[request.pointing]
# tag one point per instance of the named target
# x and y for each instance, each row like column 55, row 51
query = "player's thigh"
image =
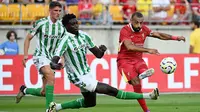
column 42, row 65
column 128, row 71
column 141, row 66
column 86, row 83
column 89, row 98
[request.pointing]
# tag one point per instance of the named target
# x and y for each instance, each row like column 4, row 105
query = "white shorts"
column 87, row 83
column 40, row 61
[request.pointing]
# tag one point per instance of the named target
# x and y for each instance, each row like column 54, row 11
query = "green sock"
column 34, row 91
column 49, row 94
column 73, row 104
column 128, row 95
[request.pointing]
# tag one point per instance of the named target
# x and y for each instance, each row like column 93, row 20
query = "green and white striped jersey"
column 74, row 49
column 48, row 35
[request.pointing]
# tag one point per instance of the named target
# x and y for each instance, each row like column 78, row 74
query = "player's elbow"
column 131, row 48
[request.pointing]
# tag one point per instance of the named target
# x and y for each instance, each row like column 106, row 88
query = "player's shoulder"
column 42, row 20
column 83, row 33
column 145, row 28
column 69, row 35
column 125, row 28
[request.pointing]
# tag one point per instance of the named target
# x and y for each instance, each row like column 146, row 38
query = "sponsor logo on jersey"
column 52, row 36
column 79, row 47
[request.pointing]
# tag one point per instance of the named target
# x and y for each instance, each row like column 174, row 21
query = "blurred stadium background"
column 102, row 19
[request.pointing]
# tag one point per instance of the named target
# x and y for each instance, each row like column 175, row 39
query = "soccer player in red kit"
column 129, row 61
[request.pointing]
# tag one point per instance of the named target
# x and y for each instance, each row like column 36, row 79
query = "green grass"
column 166, row 103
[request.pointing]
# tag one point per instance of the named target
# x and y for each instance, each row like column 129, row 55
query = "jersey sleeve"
column 62, row 46
column 90, row 43
column 36, row 26
column 192, row 39
column 148, row 30
column 124, row 35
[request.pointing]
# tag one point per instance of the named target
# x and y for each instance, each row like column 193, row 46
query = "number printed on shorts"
column 81, row 85
column 37, row 61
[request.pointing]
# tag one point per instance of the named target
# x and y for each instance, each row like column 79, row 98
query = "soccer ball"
column 168, row 65
column 2, row 52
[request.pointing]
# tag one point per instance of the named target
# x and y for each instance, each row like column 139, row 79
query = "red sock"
column 138, row 89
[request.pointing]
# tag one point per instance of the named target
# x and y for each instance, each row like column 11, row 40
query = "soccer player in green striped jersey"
column 74, row 49
column 48, row 31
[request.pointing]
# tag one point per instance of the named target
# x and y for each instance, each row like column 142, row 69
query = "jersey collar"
column 131, row 27
column 51, row 21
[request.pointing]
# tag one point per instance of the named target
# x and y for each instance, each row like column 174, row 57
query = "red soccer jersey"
column 138, row 38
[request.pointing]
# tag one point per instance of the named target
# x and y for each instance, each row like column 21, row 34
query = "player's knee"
column 134, row 81
column 43, row 93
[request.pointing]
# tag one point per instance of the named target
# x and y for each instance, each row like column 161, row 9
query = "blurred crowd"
column 119, row 11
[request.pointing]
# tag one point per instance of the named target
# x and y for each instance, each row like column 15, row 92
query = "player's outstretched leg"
column 89, row 100
column 146, row 73
column 137, row 87
column 23, row 91
column 32, row 91
column 109, row 90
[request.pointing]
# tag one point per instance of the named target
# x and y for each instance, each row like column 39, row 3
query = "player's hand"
column 181, row 38
column 55, row 63
column 153, row 51
column 24, row 61
column 56, row 66
column 103, row 48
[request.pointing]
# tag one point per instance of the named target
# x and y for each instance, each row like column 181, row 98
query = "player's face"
column 73, row 26
column 55, row 12
column 137, row 23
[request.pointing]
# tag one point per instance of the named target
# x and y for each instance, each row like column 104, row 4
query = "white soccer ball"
column 2, row 52
column 168, row 65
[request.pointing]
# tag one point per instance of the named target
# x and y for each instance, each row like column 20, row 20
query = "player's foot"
column 20, row 94
column 148, row 111
column 146, row 73
column 52, row 107
column 154, row 94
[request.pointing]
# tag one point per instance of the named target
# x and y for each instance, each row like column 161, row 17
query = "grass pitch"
column 166, row 103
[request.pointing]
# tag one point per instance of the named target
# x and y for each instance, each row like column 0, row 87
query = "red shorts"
column 130, row 69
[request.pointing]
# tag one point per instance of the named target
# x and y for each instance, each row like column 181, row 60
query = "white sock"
column 58, row 107
column 146, row 96
column 25, row 91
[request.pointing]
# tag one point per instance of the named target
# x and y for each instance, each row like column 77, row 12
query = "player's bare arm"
column 131, row 47
column 98, row 51
column 164, row 36
column 26, row 47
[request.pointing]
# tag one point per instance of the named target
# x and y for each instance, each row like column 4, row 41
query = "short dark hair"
column 54, row 4
column 9, row 34
column 67, row 17
column 197, row 23
column 138, row 14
